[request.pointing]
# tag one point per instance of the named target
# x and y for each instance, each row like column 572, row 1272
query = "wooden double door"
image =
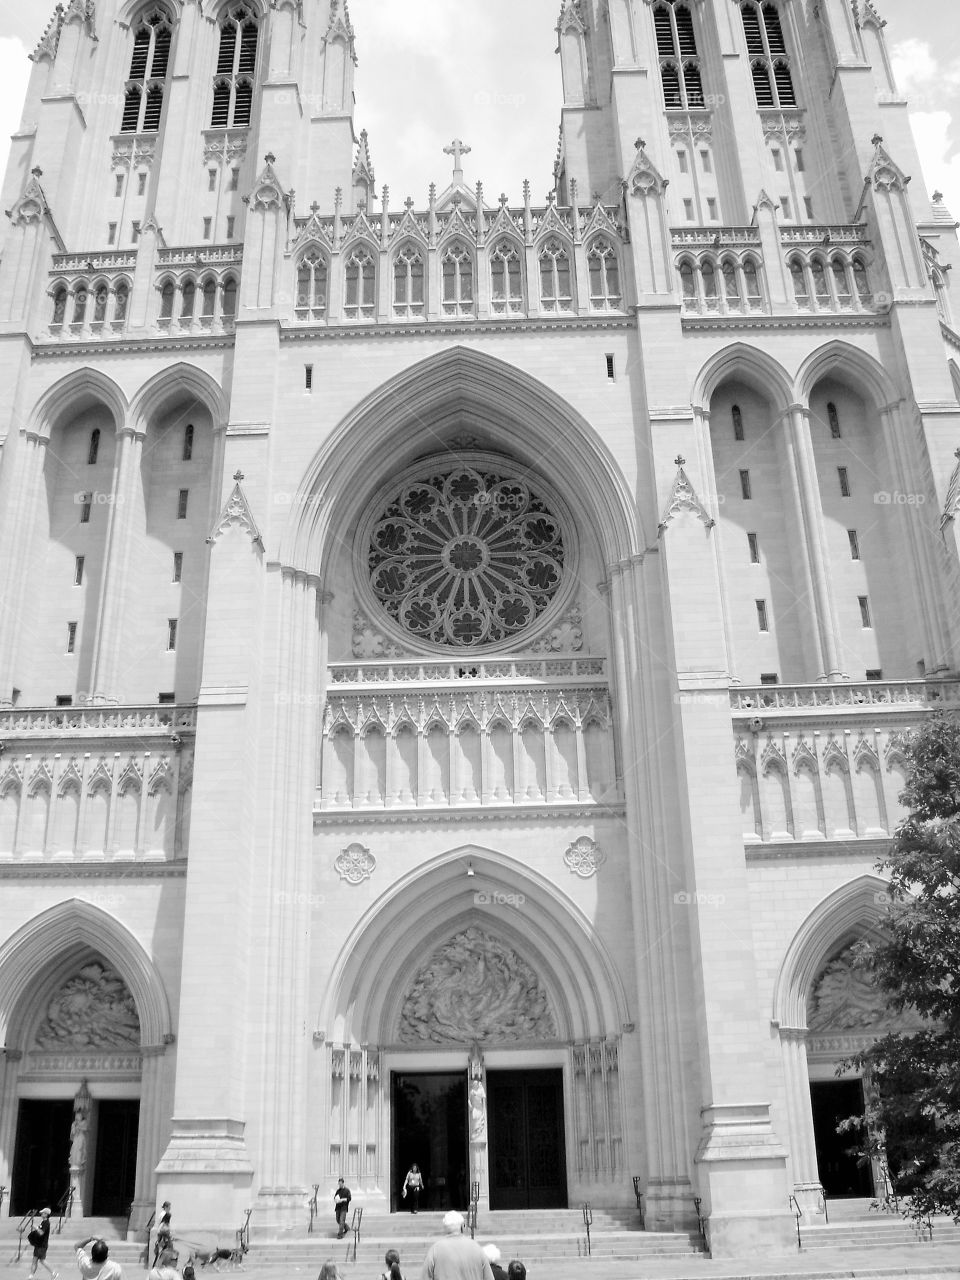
column 527, row 1159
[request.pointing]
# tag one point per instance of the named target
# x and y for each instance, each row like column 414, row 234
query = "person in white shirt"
column 96, row 1265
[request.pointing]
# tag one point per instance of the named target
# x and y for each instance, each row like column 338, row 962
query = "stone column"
column 106, row 685
column 807, row 1188
column 800, row 446
column 154, row 1106
column 9, row 1072
column 17, row 527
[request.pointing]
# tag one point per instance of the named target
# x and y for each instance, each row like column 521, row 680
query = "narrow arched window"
column 360, row 295
column 767, row 50
column 679, row 61
column 604, row 269
column 841, row 282
column 800, row 291
column 209, row 297
column 506, row 278
column 820, row 287
column 166, row 300
column 737, row 417
column 751, row 280
column 93, row 450
column 236, row 67
column 149, row 64
column 312, row 286
column 555, row 277
column 100, row 299
column 860, row 281
column 188, row 296
column 121, row 298
column 408, row 295
column 731, row 284
column 229, row 298
column 80, row 304
column 188, row 442
column 688, row 282
column 709, row 277
column 59, row 306
column 457, row 272
column 834, row 419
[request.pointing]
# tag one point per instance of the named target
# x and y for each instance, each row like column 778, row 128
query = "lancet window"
column 236, row 66
column 143, row 97
column 506, row 278
column 408, row 291
column 360, row 297
column 677, row 52
column 555, row 287
column 312, row 286
column 458, row 281
column 604, row 275
column 767, row 50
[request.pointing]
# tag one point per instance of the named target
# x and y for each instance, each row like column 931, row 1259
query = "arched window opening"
column 312, row 286
column 230, row 298
column 820, row 287
column 800, row 291
column 408, row 294
column 93, row 450
column 604, row 275
column 834, row 419
column 737, row 416
column 209, row 298
column 100, row 298
column 149, row 65
column 841, row 281
column 360, row 300
column 731, row 284
column 188, row 442
column 860, row 281
column 767, row 50
column 59, row 306
column 236, row 66
column 121, row 299
column 166, row 300
column 688, row 283
column 188, row 297
column 676, row 45
column 751, row 280
column 555, row 278
column 80, row 304
column 709, row 277
column 458, row 281
column 506, row 279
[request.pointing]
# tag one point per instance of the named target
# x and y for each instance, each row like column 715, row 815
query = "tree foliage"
column 913, row 1077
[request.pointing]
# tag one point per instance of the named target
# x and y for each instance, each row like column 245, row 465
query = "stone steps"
column 880, row 1232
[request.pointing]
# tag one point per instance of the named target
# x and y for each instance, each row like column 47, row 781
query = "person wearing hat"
column 39, row 1237
column 455, row 1256
column 97, row 1265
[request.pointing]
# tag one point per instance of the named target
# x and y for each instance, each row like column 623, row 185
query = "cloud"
column 922, row 80
column 939, row 155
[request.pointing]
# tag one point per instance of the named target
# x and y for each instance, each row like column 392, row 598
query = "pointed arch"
column 177, row 383
column 746, row 364
column 71, row 396
column 850, row 912
column 847, row 363
column 521, row 415
column 556, row 939
column 69, row 929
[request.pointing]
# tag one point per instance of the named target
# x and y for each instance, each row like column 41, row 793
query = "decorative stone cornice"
column 506, row 815
column 683, row 498
column 236, row 512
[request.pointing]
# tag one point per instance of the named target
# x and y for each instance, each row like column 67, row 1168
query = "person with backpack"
column 39, row 1237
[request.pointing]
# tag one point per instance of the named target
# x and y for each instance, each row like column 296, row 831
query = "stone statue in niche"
column 478, row 1111
column 844, row 1000
column 475, row 988
column 92, row 1010
column 80, row 1128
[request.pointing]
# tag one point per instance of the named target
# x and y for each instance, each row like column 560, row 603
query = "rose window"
column 469, row 557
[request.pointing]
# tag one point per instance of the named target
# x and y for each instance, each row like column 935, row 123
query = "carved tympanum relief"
column 475, row 987
column 92, row 1010
column 844, row 999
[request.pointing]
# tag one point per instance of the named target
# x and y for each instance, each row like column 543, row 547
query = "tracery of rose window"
column 466, row 557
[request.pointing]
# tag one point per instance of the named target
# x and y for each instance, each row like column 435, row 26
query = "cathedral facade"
column 456, row 654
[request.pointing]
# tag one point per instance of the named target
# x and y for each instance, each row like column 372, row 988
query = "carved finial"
column 457, row 149
column 433, row 192
column 526, row 188
column 937, row 197
column 956, row 453
column 270, row 157
column 680, row 460
column 876, row 139
column 238, row 476
column 408, row 203
column 596, row 197
column 314, row 208
column 37, row 171
column 573, row 191
column 551, row 199
column 504, row 199
column 639, row 144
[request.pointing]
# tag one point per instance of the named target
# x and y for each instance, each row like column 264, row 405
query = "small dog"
column 214, row 1257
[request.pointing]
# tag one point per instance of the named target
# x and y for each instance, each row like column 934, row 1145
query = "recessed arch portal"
column 385, row 950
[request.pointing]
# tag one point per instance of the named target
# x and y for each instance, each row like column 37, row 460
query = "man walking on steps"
column 455, row 1256
column 341, row 1204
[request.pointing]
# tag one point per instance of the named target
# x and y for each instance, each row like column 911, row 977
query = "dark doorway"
column 430, row 1129
column 115, row 1167
column 41, row 1161
column 840, row 1172
column 528, row 1159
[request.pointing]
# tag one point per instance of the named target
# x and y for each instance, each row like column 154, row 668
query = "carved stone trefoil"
column 584, row 857
column 476, row 988
column 355, row 864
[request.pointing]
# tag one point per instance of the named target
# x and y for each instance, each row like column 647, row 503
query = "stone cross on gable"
column 680, row 460
column 408, row 203
column 314, row 208
column 457, row 149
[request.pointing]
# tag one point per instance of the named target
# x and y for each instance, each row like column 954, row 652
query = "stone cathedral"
column 456, row 652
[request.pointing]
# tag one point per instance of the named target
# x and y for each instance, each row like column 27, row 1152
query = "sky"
column 432, row 70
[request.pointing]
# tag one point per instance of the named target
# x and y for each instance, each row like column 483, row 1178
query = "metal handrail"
column 243, row 1235
column 798, row 1214
column 24, row 1225
column 588, row 1222
column 701, row 1227
column 145, row 1256
column 313, row 1207
column 474, row 1204
column 639, row 1194
column 64, row 1207
column 355, row 1222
